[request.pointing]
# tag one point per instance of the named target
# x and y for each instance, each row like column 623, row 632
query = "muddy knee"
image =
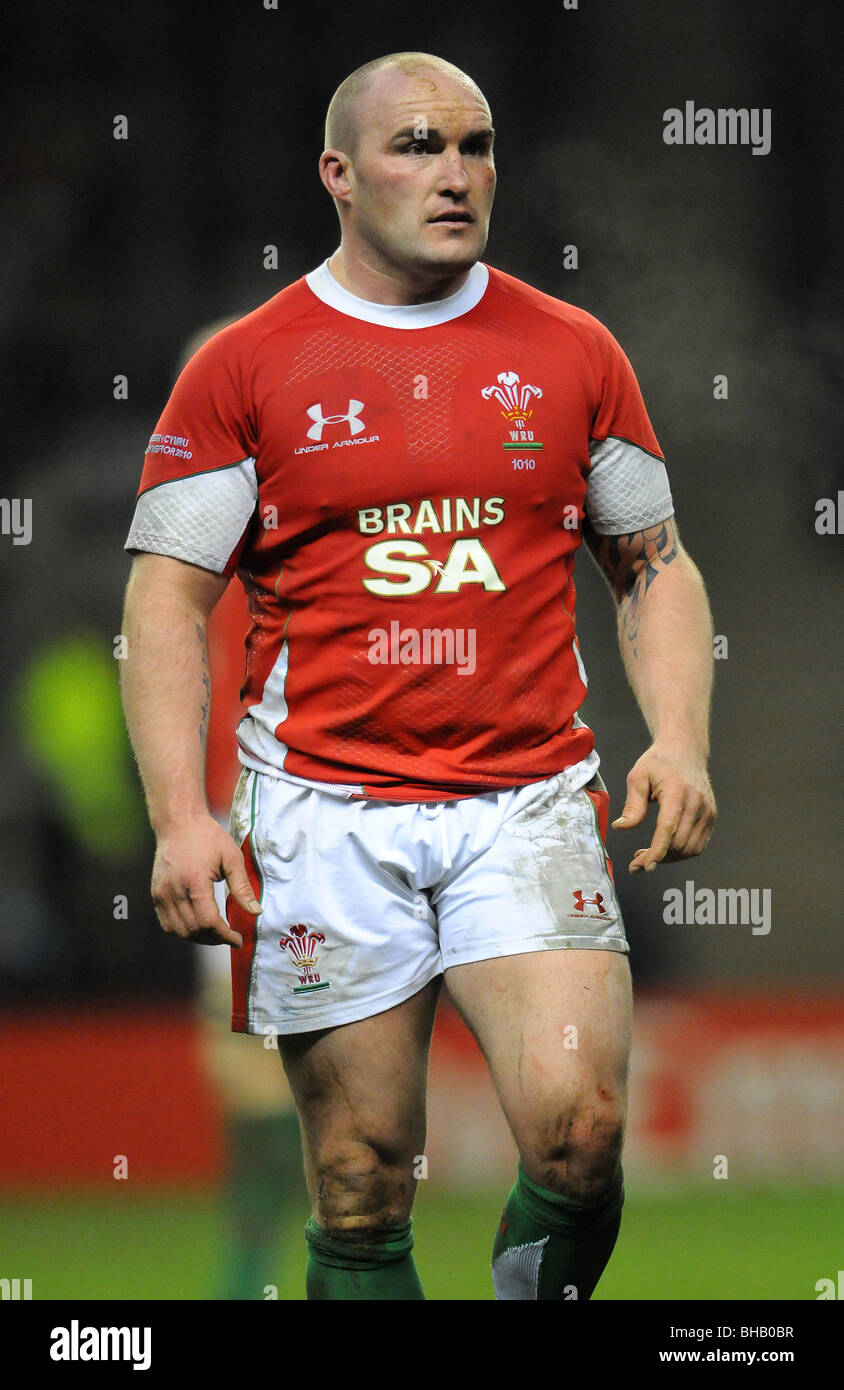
column 577, row 1152
column 361, row 1187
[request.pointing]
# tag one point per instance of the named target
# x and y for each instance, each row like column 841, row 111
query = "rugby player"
column 399, row 456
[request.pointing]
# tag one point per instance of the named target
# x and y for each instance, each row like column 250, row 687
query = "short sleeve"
column 198, row 488
column 627, row 486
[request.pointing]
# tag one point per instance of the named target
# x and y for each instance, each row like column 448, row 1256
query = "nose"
column 454, row 178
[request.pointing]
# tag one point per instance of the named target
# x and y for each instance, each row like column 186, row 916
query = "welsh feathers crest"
column 512, row 396
column 302, row 942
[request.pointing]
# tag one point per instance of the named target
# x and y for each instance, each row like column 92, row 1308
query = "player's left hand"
column 675, row 777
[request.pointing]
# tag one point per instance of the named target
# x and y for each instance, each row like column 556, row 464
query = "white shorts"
column 365, row 900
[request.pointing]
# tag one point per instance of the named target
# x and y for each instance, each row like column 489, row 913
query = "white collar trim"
column 426, row 315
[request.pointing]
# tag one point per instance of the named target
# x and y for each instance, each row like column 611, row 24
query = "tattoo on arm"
column 206, row 686
column 631, row 564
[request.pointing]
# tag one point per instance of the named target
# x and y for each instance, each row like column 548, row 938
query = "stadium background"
column 703, row 261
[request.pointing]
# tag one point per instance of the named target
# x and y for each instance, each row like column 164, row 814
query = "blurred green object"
column 69, row 716
column 763, row 1243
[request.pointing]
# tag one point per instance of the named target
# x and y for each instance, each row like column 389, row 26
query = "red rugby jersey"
column 400, row 490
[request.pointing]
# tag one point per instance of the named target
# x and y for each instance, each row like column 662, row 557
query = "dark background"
column 700, row 260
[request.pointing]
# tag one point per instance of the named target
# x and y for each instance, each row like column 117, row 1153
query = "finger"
column 218, row 935
column 168, row 912
column 200, row 922
column 238, row 882
column 636, row 806
column 665, row 829
column 182, row 916
column 691, row 814
column 207, row 918
column 701, row 833
column 185, row 910
column 209, row 936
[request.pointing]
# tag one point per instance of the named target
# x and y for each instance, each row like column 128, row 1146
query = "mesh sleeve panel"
column 627, row 488
column 199, row 519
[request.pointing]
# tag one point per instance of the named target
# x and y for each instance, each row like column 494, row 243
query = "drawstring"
column 434, row 812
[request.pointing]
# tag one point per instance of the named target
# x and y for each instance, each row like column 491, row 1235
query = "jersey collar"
column 427, row 315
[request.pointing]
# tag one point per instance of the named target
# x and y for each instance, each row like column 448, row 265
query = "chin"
column 458, row 256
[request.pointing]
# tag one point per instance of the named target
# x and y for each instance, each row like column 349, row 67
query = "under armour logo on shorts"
column 597, row 901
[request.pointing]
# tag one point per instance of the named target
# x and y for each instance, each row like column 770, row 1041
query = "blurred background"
column 131, row 1162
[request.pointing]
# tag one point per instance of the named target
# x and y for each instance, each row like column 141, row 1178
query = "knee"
column 576, row 1150
column 361, row 1188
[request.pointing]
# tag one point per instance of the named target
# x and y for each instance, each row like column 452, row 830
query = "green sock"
column 379, row 1268
column 549, row 1247
column 263, row 1181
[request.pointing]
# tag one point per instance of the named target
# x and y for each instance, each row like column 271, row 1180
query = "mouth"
column 452, row 218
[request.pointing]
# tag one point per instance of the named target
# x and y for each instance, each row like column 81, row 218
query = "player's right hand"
column 192, row 855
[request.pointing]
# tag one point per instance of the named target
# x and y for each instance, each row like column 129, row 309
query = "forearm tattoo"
column 206, row 686
column 632, row 563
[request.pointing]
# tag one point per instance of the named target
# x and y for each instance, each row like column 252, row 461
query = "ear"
column 335, row 170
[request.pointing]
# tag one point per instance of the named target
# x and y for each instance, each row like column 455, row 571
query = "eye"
column 416, row 147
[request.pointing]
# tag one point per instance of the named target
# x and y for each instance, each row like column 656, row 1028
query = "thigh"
column 360, row 1090
column 555, row 1028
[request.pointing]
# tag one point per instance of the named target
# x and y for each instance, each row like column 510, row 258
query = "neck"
column 358, row 273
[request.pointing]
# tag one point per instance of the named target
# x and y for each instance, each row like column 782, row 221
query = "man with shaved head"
column 399, row 456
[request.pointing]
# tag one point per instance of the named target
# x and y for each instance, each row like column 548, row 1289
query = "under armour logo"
column 597, row 901
column 351, row 418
